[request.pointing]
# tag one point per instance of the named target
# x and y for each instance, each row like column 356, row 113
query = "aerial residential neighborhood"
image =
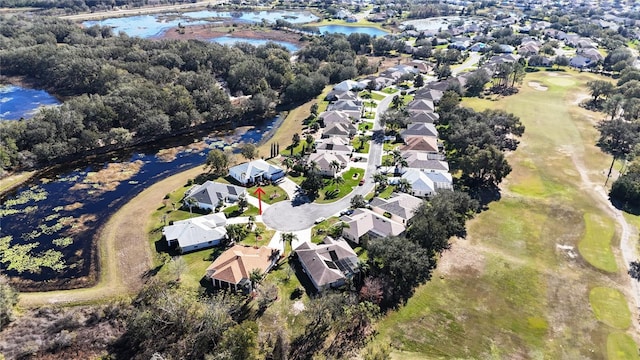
column 213, row 179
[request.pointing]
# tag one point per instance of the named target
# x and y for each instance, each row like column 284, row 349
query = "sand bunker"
column 537, row 86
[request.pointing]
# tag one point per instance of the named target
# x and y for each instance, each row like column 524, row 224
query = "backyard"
column 522, row 283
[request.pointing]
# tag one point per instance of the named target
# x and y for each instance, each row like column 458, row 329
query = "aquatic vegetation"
column 52, row 229
column 30, row 209
column 58, row 208
column 31, row 235
column 19, row 257
column 52, row 217
column 6, row 212
column 35, row 193
column 63, row 242
column 108, row 178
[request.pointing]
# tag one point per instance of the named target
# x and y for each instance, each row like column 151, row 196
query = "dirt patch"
column 580, row 98
column 79, row 225
column 537, row 86
column 108, row 178
column 461, row 258
column 298, row 307
column 75, row 206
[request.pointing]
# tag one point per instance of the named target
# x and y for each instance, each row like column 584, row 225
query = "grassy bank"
column 520, row 285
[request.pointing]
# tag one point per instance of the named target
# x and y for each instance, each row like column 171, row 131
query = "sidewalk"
column 252, row 200
column 289, row 187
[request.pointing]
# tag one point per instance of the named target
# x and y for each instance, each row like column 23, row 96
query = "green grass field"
column 610, row 307
column 361, row 148
column 519, row 285
column 350, row 182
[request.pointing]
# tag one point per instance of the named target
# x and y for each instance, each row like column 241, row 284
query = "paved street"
column 299, row 215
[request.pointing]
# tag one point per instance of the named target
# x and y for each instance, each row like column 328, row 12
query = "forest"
column 121, row 90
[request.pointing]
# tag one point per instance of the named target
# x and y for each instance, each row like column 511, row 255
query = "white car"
column 319, row 220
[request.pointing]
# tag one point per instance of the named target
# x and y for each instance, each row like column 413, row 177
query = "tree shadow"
column 485, row 195
column 302, row 276
column 625, row 206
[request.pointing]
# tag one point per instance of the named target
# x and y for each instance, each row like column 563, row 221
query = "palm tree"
column 242, row 203
column 288, row 237
column 338, row 180
column 288, row 163
column 397, row 102
column 336, row 229
column 379, row 179
column 256, row 277
column 312, row 167
column 335, row 165
column 252, row 220
column 404, row 186
column 362, row 139
column 190, row 202
column 258, row 232
column 398, row 160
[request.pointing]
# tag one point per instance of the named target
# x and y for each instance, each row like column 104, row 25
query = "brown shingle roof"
column 237, row 263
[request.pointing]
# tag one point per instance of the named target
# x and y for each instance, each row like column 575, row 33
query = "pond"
column 348, row 30
column 48, row 226
column 230, row 40
column 18, row 102
column 153, row 25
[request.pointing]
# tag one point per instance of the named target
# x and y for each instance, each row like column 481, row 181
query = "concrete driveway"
column 299, row 214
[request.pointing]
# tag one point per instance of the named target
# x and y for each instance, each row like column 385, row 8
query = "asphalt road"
column 297, row 214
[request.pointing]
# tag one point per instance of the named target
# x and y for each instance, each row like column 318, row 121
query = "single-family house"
column 399, row 207
column 366, row 222
column 580, row 62
column 506, row 49
column 196, row 233
column 328, row 264
column 592, row 54
column 353, row 108
column 423, row 117
column 335, row 116
column 425, row 161
column 256, row 171
column 478, row 47
column 421, row 143
column 429, row 94
column 328, row 164
column 419, row 129
column 211, row 194
column 340, row 130
column 426, row 183
column 335, row 95
column 347, row 85
column 420, row 105
column 233, row 268
column 334, row 145
column 423, row 66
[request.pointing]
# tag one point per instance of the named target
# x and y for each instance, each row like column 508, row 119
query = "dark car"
column 361, row 182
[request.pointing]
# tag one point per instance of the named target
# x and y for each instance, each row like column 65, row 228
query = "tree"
column 295, row 139
column 634, row 270
column 249, row 151
column 418, row 81
column 217, row 162
column 242, row 203
column 288, row 238
column 403, row 185
column 258, row 233
column 191, row 202
column 561, row 60
column 288, row 163
column 401, row 265
column 613, row 105
column 443, row 71
column 335, row 166
column 618, row 138
column 256, row 277
column 599, row 88
column 476, row 82
column 358, row 201
column 8, row 300
column 314, row 109
column 177, row 267
column 309, row 140
column 485, row 167
column 240, row 342
column 397, row 102
column 336, row 230
column 380, row 180
column 236, row 232
column 312, row 184
column 444, row 215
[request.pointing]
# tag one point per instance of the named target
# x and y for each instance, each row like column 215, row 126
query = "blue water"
column 229, row 40
column 146, row 26
column 348, row 30
column 17, row 102
column 62, row 192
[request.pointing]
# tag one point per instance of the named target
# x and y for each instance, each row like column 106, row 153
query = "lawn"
column 350, row 182
column 389, row 90
column 273, row 193
column 296, row 177
column 365, row 126
column 319, row 231
column 296, row 150
column 386, row 193
column 374, row 96
column 361, row 148
column 610, row 307
column 390, row 146
column 265, row 237
column 232, row 211
column 519, row 286
column 621, row 346
column 595, row 246
column 370, row 105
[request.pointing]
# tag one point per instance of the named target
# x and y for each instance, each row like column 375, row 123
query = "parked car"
column 319, row 220
column 361, row 182
column 346, row 212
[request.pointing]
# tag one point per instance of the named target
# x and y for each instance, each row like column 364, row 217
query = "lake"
column 47, row 226
column 153, row 25
column 18, row 102
column 348, row 30
column 230, row 40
